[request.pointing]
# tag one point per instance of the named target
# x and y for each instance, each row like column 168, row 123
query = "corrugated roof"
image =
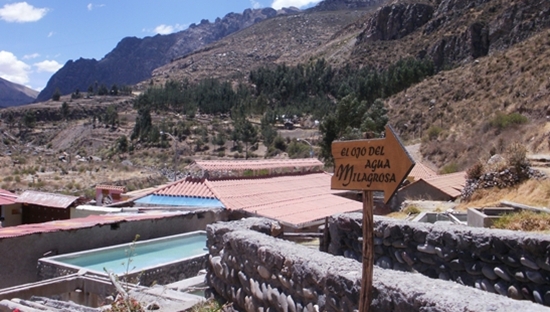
column 73, row 224
column 46, row 199
column 186, row 187
column 259, row 164
column 7, row 197
column 297, row 200
column 111, row 187
column 421, row 171
column 452, row 184
column 180, row 201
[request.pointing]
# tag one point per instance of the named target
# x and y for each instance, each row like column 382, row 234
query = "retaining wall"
column 20, row 254
column 257, row 272
column 162, row 275
column 510, row 263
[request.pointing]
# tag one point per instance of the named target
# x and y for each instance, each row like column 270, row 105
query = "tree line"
column 348, row 100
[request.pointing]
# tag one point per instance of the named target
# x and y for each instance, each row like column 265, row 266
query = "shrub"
column 449, row 168
column 475, row 171
column 434, row 132
column 503, row 121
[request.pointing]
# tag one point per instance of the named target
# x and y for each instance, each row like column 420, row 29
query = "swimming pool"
column 141, row 257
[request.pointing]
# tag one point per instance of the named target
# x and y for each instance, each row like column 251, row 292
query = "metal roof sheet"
column 111, row 187
column 296, row 200
column 272, row 166
column 7, row 197
column 46, row 199
column 181, row 201
column 72, row 224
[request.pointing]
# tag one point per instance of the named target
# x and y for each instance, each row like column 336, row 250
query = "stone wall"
column 20, row 254
column 509, row 263
column 257, row 272
column 162, row 275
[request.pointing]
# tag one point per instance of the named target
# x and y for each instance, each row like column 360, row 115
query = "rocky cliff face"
column 12, row 94
column 454, row 31
column 133, row 59
column 396, row 21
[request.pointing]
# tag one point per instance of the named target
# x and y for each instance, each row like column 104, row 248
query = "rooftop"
column 46, row 199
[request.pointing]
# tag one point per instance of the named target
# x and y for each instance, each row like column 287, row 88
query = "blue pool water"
column 141, row 255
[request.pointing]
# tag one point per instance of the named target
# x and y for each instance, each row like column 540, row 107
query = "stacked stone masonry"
column 509, row 263
column 257, row 272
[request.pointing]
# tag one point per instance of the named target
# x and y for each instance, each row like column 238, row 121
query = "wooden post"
column 368, row 252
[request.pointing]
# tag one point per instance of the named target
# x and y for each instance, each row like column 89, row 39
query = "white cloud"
column 50, row 34
column 13, row 69
column 255, row 4
column 31, row 56
column 279, row 4
column 91, row 6
column 21, row 12
column 47, row 66
column 168, row 29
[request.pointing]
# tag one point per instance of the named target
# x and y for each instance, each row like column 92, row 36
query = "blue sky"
column 37, row 37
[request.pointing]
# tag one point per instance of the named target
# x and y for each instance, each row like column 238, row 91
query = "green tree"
column 247, row 133
column 376, row 118
column 219, row 140
column 56, row 95
column 122, row 144
column 65, row 110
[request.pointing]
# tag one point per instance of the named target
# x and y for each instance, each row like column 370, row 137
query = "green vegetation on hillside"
column 346, row 99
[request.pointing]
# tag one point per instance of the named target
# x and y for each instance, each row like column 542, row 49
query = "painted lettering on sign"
column 346, row 173
column 370, row 165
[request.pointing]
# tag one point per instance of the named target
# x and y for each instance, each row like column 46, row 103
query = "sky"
column 37, row 37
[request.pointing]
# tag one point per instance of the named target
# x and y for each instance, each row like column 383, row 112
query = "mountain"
column 119, row 66
column 12, row 94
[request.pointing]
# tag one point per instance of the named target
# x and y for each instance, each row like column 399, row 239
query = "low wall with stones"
column 509, row 263
column 257, row 272
column 161, row 275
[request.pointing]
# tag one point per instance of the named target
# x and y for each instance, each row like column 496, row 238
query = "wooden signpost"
column 370, row 165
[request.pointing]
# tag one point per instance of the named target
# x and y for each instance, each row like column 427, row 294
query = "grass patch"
column 530, row 192
column 524, row 221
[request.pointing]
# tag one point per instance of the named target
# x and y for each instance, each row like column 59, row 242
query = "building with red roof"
column 10, row 210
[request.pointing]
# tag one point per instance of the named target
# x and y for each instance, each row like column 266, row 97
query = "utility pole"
column 175, row 153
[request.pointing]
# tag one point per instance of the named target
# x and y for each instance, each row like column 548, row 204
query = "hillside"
column 118, row 66
column 464, row 104
column 12, row 94
column 283, row 39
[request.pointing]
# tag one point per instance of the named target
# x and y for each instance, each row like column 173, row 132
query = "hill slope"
column 12, row 94
column 119, row 66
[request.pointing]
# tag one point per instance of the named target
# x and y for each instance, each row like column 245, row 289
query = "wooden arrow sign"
column 371, row 165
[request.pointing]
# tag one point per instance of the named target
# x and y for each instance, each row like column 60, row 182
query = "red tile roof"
column 73, row 224
column 452, row 184
column 7, row 197
column 421, row 171
column 187, row 187
column 46, row 199
column 298, row 200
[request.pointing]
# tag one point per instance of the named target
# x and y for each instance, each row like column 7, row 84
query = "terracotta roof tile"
column 452, row 183
column 295, row 200
column 187, row 187
column 421, row 171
